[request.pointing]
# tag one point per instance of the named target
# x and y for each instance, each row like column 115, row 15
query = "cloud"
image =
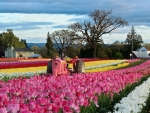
column 55, row 7
column 60, row 26
column 49, row 15
column 24, row 25
column 35, row 39
column 80, row 19
column 132, row 11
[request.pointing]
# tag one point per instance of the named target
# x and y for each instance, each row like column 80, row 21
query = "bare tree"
column 36, row 49
column 63, row 39
column 101, row 22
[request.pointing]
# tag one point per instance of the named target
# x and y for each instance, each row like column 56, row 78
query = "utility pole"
column 11, row 35
column 132, row 35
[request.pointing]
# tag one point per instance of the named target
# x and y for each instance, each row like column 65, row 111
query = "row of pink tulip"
column 143, row 67
column 41, row 94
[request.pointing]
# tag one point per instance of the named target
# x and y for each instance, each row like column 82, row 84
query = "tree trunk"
column 94, row 52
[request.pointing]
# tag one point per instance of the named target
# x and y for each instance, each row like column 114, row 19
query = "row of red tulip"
column 8, row 60
column 86, row 59
column 16, row 59
column 19, row 59
column 41, row 94
column 6, row 65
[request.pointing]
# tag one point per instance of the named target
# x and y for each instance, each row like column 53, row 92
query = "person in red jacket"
column 74, row 61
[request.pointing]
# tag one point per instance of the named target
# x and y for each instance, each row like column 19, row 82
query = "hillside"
column 42, row 45
column 36, row 44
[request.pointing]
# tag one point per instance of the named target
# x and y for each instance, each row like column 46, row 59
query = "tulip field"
column 106, row 87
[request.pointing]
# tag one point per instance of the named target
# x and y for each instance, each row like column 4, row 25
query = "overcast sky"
column 33, row 19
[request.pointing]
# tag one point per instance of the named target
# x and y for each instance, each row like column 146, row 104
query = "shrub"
column 118, row 55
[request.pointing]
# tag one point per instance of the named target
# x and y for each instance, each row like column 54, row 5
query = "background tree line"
column 8, row 39
column 85, row 39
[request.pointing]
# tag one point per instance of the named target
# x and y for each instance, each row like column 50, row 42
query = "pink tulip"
column 14, row 108
column 24, row 106
column 32, row 104
column 55, row 108
column 66, row 109
column 3, row 97
column 3, row 110
column 24, row 111
column 49, row 107
column 50, row 94
column 42, row 101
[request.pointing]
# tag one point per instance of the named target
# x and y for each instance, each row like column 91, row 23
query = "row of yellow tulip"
column 108, row 68
column 95, row 63
column 98, row 63
column 40, row 59
column 23, row 70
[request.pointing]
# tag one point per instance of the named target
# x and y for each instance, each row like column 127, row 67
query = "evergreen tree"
column 132, row 42
column 49, row 45
column 25, row 43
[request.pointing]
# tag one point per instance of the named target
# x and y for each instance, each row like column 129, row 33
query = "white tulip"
column 135, row 100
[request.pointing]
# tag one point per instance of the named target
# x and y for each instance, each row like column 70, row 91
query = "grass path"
column 132, row 64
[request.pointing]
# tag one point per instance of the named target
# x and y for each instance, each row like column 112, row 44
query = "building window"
column 143, row 50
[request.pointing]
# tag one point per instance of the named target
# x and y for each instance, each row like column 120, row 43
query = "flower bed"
column 68, row 93
column 100, row 63
column 23, row 63
column 87, row 59
column 6, row 65
column 29, row 71
column 134, row 60
column 8, row 59
column 106, row 68
column 135, row 101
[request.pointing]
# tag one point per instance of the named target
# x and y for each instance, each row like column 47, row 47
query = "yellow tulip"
column 23, row 70
column 108, row 68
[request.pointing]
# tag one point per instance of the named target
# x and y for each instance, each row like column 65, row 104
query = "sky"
column 33, row 19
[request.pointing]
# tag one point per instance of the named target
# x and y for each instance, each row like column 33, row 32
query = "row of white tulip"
column 104, row 65
column 135, row 100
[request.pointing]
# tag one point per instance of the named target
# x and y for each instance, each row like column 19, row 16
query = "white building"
column 18, row 52
column 141, row 53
